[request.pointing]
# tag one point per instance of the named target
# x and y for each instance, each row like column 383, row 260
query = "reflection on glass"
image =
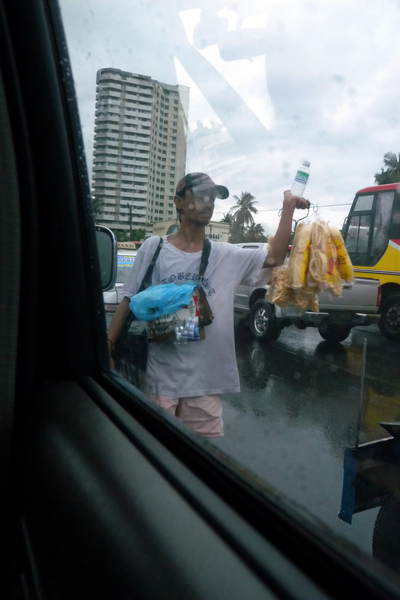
column 268, row 85
column 383, row 213
column 357, row 239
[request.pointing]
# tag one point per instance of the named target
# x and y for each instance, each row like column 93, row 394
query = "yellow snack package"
column 345, row 266
column 318, row 262
column 299, row 257
column 333, row 281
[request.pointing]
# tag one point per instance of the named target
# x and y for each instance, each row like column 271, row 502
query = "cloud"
column 286, row 80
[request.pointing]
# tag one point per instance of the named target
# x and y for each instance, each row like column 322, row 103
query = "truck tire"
column 333, row 333
column 263, row 323
column 389, row 323
column 386, row 536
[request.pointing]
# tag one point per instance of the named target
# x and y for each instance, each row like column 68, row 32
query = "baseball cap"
column 200, row 182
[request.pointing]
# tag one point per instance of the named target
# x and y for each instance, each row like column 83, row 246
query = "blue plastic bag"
column 159, row 300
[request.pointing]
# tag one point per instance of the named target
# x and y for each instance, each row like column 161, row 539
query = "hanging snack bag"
column 345, row 266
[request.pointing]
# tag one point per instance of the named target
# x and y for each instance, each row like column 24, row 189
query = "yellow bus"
column 372, row 235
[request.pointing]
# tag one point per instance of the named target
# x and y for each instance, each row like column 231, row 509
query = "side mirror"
column 107, row 252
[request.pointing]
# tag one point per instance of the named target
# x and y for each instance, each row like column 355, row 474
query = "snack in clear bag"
column 333, row 281
column 345, row 266
column 281, row 293
column 318, row 262
column 299, row 256
column 186, row 331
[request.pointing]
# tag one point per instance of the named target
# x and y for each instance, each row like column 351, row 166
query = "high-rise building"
column 139, row 150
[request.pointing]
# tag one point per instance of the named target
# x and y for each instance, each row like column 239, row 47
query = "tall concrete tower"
column 139, row 150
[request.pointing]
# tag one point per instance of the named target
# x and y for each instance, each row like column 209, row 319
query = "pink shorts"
column 202, row 414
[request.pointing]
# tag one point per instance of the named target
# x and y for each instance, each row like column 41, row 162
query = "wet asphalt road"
column 299, row 409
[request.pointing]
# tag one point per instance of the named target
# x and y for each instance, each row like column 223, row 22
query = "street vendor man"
column 187, row 380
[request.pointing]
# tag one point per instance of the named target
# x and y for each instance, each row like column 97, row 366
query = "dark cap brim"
column 223, row 192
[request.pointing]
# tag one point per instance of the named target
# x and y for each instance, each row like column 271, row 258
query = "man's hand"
column 293, row 202
column 277, row 253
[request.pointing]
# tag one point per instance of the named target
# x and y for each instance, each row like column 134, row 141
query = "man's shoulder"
column 153, row 239
column 220, row 251
column 150, row 243
column 223, row 247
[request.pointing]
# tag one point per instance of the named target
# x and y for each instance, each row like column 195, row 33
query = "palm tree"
column 227, row 218
column 255, row 233
column 243, row 210
column 392, row 172
column 234, row 235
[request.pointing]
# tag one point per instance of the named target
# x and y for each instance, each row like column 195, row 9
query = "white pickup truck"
column 358, row 305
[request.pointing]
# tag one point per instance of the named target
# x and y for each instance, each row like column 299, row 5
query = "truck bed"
column 361, row 295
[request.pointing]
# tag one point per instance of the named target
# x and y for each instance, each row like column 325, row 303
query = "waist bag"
column 176, row 311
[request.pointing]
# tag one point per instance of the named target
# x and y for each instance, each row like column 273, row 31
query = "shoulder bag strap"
column 206, row 315
column 145, row 284
column 147, row 278
column 204, row 256
column 203, row 263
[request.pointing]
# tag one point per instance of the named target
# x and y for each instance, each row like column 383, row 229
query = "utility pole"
column 130, row 222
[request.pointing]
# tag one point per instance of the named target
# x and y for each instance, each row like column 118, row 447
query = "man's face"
column 197, row 206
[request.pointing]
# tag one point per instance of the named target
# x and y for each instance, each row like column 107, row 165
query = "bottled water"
column 300, row 181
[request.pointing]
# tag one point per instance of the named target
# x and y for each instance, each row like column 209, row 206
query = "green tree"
column 137, row 235
column 241, row 217
column 121, row 236
column 227, row 218
column 255, row 233
column 234, row 234
column 391, row 174
column 244, row 210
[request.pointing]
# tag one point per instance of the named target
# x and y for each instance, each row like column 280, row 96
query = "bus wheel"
column 389, row 323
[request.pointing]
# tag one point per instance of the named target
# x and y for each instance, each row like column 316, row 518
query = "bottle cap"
column 306, row 163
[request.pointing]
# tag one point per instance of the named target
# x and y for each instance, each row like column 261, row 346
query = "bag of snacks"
column 318, row 262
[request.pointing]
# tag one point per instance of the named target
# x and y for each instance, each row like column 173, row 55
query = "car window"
column 245, row 92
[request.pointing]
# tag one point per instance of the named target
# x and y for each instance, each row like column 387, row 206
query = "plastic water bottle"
column 300, row 181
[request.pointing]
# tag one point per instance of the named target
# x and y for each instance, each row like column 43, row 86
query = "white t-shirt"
column 208, row 366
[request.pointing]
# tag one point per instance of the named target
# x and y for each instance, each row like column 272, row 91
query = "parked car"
column 358, row 305
column 125, row 260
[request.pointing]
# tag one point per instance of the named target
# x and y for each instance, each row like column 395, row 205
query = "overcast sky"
column 276, row 81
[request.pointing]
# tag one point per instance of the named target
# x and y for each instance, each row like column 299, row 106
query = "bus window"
column 357, row 238
column 380, row 233
column 394, row 232
column 364, row 203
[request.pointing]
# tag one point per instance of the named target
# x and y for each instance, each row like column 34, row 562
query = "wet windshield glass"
column 245, row 92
